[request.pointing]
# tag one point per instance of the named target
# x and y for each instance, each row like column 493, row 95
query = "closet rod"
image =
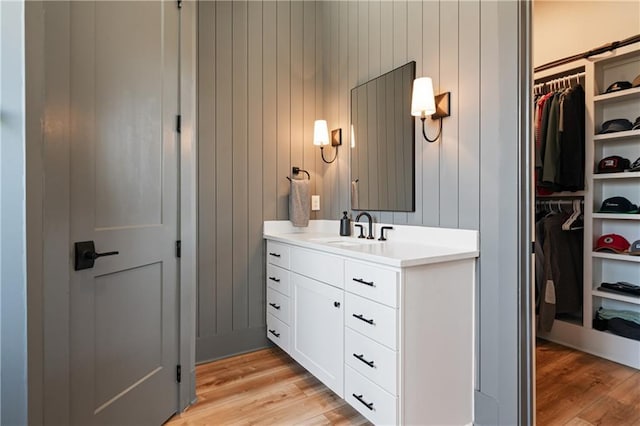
column 560, row 79
column 557, row 202
column 598, row 50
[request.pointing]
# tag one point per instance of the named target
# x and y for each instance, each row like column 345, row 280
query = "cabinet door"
column 318, row 334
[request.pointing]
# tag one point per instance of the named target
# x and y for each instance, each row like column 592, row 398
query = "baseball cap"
column 618, row 205
column 636, row 81
column 636, row 124
column 612, row 243
column 634, row 250
column 613, row 164
column 635, row 166
column 618, row 85
column 615, row 125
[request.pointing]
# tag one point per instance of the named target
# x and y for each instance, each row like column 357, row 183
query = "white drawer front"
column 371, row 319
column 278, row 254
column 319, row 266
column 278, row 305
column 278, row 332
column 371, row 359
column 278, row 279
column 373, row 402
column 372, row 282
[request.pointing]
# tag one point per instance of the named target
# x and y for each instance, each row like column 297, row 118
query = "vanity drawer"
column 278, row 305
column 278, row 332
column 371, row 319
column 371, row 359
column 372, row 282
column 373, row 402
column 278, row 279
column 319, row 266
column 278, row 254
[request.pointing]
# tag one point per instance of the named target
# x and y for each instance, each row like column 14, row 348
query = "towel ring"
column 296, row 170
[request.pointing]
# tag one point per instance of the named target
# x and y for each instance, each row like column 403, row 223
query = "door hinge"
column 178, row 373
column 178, row 123
column 179, row 4
column 178, row 248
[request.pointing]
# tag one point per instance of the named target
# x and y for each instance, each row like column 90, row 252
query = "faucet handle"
column 382, row 237
column 361, row 230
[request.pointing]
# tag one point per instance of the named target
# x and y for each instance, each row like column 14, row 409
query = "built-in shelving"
column 617, row 216
column 619, row 96
column 616, row 296
column 563, row 194
column 618, row 136
column 613, row 256
column 621, row 175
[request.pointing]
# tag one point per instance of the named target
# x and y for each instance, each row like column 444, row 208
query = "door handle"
column 85, row 255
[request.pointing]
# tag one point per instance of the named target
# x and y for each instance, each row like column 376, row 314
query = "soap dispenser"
column 345, row 225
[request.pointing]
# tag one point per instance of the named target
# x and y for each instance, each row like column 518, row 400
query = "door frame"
column 47, row 36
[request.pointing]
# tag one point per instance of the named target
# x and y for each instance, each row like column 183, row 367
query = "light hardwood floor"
column 264, row 387
column 268, row 387
column 578, row 389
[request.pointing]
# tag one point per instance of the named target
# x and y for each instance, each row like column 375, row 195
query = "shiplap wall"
column 366, row 39
column 268, row 69
column 259, row 92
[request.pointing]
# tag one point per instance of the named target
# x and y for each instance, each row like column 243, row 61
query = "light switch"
column 315, row 202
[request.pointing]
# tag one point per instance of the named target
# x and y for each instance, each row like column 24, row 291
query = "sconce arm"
column 424, row 133
column 324, row 159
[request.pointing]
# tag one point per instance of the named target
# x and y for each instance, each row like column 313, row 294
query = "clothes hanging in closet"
column 560, row 140
column 559, row 269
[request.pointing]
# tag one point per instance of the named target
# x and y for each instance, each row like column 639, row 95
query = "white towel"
column 300, row 202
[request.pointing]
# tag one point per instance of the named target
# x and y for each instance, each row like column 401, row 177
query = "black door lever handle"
column 85, row 255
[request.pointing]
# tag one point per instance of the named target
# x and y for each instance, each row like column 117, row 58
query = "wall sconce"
column 321, row 138
column 423, row 103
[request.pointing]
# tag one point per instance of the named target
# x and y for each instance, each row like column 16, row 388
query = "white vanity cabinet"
column 390, row 333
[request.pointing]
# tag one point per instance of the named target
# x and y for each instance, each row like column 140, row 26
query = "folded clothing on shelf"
column 618, row 323
column 621, row 287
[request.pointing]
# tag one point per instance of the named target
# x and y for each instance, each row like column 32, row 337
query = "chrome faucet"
column 370, row 237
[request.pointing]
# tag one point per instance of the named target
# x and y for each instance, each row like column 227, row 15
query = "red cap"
column 612, row 243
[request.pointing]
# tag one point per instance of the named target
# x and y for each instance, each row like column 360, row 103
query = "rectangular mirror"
column 382, row 143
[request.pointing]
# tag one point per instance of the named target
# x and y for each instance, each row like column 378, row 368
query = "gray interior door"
column 124, row 197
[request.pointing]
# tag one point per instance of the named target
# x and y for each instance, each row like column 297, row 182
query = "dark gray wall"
column 259, row 92
column 13, row 288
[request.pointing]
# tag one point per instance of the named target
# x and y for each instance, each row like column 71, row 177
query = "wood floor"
column 578, row 389
column 267, row 387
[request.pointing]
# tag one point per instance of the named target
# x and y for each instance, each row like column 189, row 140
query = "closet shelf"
column 562, row 194
column 618, row 136
column 621, row 175
column 612, row 256
column 616, row 296
column 622, row 95
column 616, row 216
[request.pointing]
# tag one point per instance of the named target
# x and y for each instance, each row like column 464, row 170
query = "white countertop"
column 405, row 246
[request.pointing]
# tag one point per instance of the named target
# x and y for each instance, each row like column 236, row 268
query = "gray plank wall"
column 366, row 39
column 268, row 69
column 259, row 92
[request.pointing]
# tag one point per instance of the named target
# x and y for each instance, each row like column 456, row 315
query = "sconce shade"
column 422, row 100
column 320, row 133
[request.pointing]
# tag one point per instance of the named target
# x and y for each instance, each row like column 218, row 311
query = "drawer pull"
column 336, row 304
column 369, row 405
column 275, row 306
column 274, row 279
column 361, row 281
column 274, row 333
column 274, row 254
column 362, row 318
column 361, row 358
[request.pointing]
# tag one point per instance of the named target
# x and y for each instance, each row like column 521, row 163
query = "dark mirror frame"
column 383, row 141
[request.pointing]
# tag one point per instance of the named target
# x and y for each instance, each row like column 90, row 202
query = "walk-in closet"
column 586, row 182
